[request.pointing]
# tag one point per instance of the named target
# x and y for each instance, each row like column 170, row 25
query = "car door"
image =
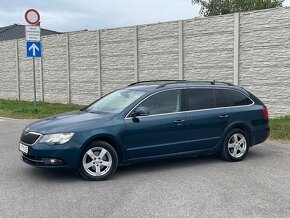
column 207, row 117
column 161, row 132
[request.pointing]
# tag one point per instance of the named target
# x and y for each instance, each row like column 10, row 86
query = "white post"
column 17, row 69
column 236, row 47
column 180, row 36
column 136, row 74
column 99, row 64
column 68, row 69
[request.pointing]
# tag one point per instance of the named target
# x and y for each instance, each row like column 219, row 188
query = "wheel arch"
column 238, row 125
column 106, row 138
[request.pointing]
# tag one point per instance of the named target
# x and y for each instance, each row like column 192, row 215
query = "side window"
column 163, row 102
column 197, row 99
column 221, row 98
column 237, row 99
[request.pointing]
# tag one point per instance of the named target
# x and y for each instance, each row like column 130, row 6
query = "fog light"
column 52, row 161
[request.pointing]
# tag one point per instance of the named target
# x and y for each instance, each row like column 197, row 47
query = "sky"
column 72, row 15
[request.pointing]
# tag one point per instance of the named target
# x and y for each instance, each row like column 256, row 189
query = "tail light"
column 265, row 113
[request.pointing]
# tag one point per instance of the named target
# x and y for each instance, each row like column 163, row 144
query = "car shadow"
column 51, row 175
column 63, row 176
column 167, row 164
column 59, row 175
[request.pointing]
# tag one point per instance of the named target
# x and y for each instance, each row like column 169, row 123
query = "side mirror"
column 141, row 111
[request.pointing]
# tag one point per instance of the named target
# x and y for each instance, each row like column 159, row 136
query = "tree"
column 218, row 7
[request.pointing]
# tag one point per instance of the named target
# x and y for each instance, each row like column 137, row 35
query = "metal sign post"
column 33, row 45
column 34, row 82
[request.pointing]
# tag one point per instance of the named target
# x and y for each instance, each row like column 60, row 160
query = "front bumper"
column 57, row 156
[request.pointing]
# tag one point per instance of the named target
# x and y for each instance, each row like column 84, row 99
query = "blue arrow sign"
column 33, row 49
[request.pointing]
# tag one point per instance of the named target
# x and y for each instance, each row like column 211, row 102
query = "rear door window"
column 197, row 99
column 221, row 98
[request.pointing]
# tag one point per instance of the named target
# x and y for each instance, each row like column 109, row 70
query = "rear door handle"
column 223, row 116
column 178, row 122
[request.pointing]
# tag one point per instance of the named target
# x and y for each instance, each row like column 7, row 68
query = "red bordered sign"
column 32, row 17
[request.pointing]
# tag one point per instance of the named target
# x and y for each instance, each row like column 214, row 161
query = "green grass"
column 280, row 128
column 25, row 109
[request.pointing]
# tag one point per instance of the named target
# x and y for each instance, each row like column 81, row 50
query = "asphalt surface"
column 204, row 186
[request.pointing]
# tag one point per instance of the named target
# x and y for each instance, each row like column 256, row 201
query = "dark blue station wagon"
column 147, row 121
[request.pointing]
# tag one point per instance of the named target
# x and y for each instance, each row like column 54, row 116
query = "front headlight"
column 58, row 138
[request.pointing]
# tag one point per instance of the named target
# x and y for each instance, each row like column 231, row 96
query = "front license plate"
column 23, row 148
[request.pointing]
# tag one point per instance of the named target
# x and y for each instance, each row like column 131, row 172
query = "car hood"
column 68, row 122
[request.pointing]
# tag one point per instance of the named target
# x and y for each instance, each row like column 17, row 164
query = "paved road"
column 259, row 186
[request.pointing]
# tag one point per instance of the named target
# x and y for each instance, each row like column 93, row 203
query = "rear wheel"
column 98, row 161
column 236, row 145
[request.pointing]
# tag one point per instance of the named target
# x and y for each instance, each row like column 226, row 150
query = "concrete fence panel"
column 83, row 67
column 265, row 57
column 209, row 48
column 54, row 68
column 158, row 51
column 8, row 70
column 117, row 58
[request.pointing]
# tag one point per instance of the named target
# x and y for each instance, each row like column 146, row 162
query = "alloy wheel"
column 97, row 161
column 237, row 145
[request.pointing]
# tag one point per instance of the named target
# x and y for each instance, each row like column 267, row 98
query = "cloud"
column 71, row 15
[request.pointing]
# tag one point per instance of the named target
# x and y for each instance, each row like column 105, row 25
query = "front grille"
column 29, row 138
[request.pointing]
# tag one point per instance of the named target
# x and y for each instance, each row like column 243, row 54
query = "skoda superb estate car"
column 147, row 121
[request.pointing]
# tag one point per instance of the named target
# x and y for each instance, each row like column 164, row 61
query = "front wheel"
column 236, row 145
column 98, row 161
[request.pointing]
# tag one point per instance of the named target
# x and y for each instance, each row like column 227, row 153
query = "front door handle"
column 179, row 122
column 224, row 116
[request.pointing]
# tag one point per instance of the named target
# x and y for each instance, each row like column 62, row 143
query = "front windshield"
column 115, row 102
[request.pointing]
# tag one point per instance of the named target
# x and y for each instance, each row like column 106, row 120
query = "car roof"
column 157, row 85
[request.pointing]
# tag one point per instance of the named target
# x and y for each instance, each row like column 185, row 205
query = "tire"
column 98, row 161
column 236, row 145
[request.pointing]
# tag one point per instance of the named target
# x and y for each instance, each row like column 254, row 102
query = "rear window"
column 236, row 98
column 197, row 99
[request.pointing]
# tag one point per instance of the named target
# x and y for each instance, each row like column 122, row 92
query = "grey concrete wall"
column 78, row 67
column 54, row 68
column 8, row 70
column 265, row 57
column 158, row 51
column 209, row 48
column 117, row 58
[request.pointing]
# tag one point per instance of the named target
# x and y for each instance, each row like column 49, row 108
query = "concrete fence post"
column 136, row 70
column 236, row 48
column 99, row 70
column 17, row 69
column 180, row 37
column 68, row 69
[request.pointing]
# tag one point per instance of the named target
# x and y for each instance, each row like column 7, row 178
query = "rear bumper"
column 260, row 136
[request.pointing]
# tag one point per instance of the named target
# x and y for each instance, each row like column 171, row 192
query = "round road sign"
column 32, row 17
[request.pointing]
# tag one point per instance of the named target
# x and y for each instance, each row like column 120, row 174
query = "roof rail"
column 156, row 81
column 170, row 82
column 198, row 81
